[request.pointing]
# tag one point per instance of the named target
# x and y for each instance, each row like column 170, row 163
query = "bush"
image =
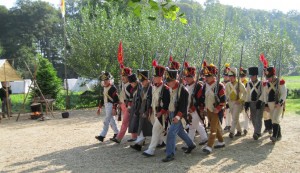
column 47, row 79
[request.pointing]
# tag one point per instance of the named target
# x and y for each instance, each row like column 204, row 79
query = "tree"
column 47, row 79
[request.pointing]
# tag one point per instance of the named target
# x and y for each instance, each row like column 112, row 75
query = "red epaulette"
column 265, row 84
column 282, row 82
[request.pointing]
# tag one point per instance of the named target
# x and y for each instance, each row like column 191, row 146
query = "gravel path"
column 68, row 145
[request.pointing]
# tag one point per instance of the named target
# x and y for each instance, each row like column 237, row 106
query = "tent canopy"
column 7, row 72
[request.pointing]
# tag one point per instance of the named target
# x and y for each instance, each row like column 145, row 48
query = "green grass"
column 293, row 105
column 76, row 101
column 17, row 103
column 292, row 82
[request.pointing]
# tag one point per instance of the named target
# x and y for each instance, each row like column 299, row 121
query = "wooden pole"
column 37, row 86
column 6, row 92
column 65, row 65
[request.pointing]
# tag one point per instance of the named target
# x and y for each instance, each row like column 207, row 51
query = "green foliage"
column 47, row 79
column 167, row 9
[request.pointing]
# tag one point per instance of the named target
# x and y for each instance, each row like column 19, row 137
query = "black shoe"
column 238, row 134
column 245, row 132
column 131, row 140
column 255, row 136
column 265, row 131
column 115, row 135
column 273, row 139
column 168, row 158
column 231, row 135
column 161, row 145
column 146, row 154
column 115, row 140
column 202, row 143
column 100, row 138
column 270, row 131
column 137, row 147
column 226, row 128
column 190, row 149
column 184, row 148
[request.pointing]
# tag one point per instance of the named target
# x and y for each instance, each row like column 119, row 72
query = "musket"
column 277, row 99
column 238, row 84
column 217, row 99
column 143, row 57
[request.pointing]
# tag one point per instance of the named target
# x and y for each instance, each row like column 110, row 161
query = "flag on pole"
column 120, row 53
column 63, row 8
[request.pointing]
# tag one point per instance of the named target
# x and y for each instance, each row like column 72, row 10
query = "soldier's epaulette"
column 265, row 84
column 282, row 82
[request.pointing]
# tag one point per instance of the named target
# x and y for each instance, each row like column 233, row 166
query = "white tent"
column 20, row 87
column 7, row 72
column 81, row 84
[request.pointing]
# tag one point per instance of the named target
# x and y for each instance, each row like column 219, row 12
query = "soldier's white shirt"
column 105, row 93
column 155, row 96
column 210, row 96
column 123, row 92
column 190, row 89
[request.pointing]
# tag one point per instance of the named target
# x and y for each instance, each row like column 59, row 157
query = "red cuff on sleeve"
column 163, row 111
column 179, row 114
column 193, row 108
column 219, row 107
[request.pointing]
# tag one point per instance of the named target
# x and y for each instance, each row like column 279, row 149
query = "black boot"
column 279, row 133
column 275, row 133
column 268, row 126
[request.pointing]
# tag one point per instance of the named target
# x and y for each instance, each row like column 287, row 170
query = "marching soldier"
column 110, row 101
column 177, row 110
column 275, row 96
column 211, row 91
column 134, row 90
column 228, row 116
column 145, row 111
column 160, row 104
column 255, row 101
column 236, row 95
column 126, row 71
column 243, row 75
column 194, row 103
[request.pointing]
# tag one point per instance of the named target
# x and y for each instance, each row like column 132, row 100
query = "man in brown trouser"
column 212, row 107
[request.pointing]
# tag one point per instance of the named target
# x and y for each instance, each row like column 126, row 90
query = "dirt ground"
column 68, row 145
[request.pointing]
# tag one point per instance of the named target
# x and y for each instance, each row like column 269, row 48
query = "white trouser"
column 197, row 124
column 246, row 120
column 275, row 112
column 140, row 139
column 109, row 120
column 235, row 110
column 157, row 132
column 228, row 119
